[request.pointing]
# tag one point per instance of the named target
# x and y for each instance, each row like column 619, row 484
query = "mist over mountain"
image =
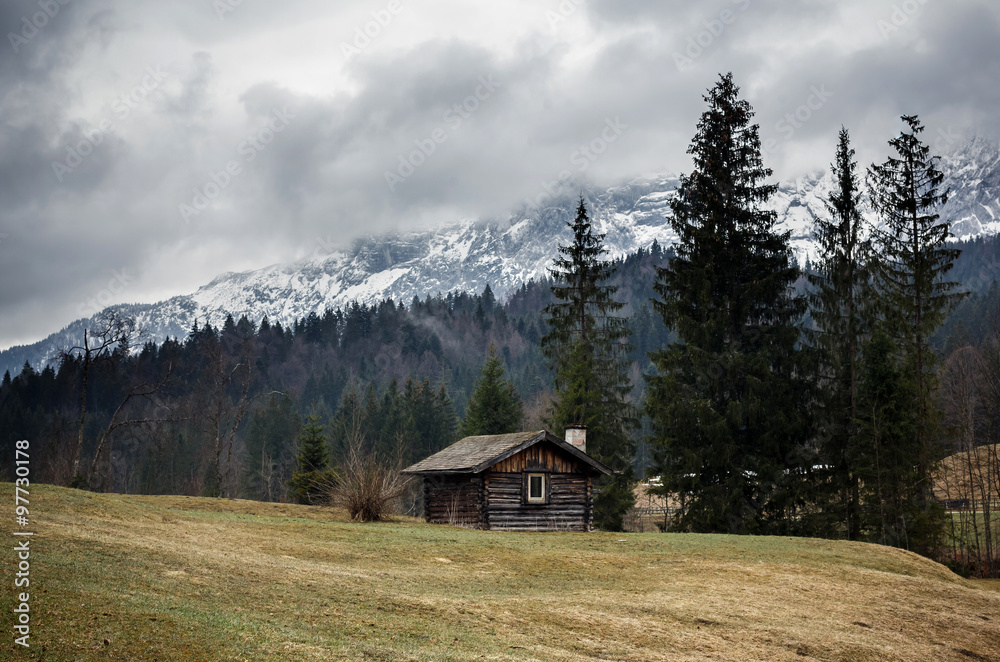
column 506, row 253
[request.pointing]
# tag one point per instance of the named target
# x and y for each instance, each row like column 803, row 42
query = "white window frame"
column 541, row 498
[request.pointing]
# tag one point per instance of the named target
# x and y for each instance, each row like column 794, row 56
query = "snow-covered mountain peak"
column 505, row 253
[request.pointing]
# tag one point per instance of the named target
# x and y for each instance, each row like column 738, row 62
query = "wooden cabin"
column 523, row 481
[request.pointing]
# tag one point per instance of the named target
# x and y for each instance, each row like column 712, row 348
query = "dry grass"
column 651, row 511
column 958, row 475
column 173, row 578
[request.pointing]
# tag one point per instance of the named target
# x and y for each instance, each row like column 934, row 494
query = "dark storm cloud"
column 35, row 49
column 246, row 137
column 450, row 89
column 68, row 228
column 942, row 65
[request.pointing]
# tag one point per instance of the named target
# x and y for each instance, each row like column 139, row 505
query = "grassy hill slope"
column 181, row 578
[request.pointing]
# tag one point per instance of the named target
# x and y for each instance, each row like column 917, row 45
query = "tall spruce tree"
column 586, row 346
column 841, row 311
column 495, row 407
column 392, row 420
column 911, row 270
column 313, row 453
column 727, row 404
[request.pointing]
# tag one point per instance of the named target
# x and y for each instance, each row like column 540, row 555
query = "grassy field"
column 178, row 578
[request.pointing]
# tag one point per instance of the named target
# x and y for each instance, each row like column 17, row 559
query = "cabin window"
column 536, row 488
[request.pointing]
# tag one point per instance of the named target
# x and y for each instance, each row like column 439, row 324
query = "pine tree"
column 314, row 478
column 912, row 258
column 313, row 454
column 912, row 264
column 727, row 405
column 495, row 406
column 840, row 309
column 371, row 419
column 586, row 346
column 424, row 416
column 429, row 420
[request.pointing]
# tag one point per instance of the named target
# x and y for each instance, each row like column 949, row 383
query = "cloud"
column 263, row 123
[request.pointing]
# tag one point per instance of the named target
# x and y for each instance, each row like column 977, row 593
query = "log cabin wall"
column 569, row 491
column 455, row 500
column 568, row 507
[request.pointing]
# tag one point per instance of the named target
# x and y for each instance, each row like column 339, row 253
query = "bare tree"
column 228, row 380
column 960, row 397
column 969, row 480
column 100, row 474
column 112, row 332
column 224, row 414
column 985, row 470
column 267, row 471
column 370, row 486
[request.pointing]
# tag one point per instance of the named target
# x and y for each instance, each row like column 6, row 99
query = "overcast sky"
column 146, row 146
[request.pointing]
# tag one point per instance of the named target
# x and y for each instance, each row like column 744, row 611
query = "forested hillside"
column 229, row 402
column 413, row 364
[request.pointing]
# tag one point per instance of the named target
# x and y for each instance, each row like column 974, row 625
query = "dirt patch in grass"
column 175, row 578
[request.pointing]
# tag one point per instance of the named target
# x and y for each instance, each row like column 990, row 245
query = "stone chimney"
column 576, row 435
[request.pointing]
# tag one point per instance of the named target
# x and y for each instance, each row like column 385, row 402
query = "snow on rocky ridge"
column 466, row 256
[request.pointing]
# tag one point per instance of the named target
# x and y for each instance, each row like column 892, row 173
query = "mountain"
column 466, row 256
column 972, row 173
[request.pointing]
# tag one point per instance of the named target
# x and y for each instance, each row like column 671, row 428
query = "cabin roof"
column 473, row 455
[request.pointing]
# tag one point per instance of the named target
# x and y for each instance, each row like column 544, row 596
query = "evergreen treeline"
column 766, row 420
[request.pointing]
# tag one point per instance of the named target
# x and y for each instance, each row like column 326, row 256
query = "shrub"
column 370, row 487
